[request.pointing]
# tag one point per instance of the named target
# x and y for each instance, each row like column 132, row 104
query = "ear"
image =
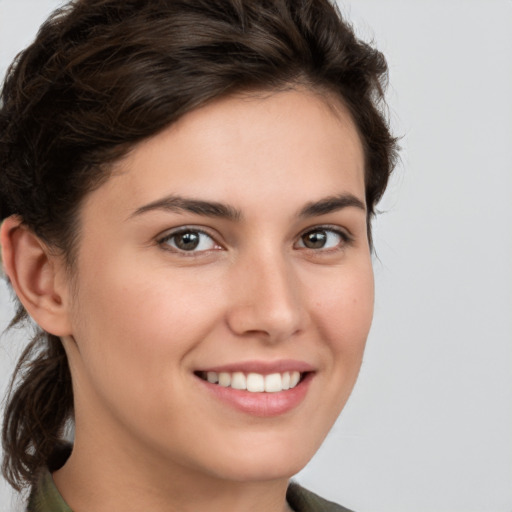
column 37, row 276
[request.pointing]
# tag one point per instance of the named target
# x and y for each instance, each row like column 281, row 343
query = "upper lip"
column 262, row 367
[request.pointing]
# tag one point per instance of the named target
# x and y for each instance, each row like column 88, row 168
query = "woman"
column 187, row 190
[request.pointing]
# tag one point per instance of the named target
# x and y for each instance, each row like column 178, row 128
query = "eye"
column 189, row 240
column 323, row 238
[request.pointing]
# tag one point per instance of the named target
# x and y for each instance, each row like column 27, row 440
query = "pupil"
column 315, row 239
column 187, row 241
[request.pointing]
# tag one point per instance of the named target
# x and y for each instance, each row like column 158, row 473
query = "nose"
column 266, row 299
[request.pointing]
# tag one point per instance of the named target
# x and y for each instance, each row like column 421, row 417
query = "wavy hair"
column 103, row 75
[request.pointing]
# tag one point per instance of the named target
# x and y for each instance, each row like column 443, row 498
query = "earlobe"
column 36, row 276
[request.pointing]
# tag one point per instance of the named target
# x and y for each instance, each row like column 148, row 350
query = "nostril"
column 270, row 323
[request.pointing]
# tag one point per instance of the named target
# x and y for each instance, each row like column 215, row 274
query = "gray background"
column 429, row 425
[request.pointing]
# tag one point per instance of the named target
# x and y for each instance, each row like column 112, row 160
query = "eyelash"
column 345, row 240
column 182, row 231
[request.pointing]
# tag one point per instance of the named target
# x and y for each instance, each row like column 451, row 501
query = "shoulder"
column 302, row 500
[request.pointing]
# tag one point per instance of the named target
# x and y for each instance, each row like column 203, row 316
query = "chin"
column 261, row 471
column 266, row 459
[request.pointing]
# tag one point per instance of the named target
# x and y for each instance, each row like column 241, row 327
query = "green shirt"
column 46, row 498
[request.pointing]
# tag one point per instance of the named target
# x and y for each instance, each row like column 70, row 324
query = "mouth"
column 259, row 388
column 254, row 382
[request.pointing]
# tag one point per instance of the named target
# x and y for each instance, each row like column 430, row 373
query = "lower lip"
column 261, row 404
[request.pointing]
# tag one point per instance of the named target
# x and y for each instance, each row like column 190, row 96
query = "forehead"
column 247, row 148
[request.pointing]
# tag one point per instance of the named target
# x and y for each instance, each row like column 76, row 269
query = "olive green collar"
column 45, row 497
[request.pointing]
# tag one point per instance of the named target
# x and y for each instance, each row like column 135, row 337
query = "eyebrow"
column 178, row 204
column 331, row 204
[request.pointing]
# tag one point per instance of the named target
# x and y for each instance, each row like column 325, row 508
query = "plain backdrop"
column 429, row 425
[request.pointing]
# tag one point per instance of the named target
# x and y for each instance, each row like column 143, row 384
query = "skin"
column 138, row 316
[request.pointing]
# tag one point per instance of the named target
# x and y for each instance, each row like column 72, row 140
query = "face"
column 225, row 261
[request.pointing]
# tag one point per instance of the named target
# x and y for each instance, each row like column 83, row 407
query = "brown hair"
column 101, row 76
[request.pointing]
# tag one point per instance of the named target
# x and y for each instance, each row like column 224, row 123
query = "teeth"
column 294, row 379
column 224, row 379
column 286, row 380
column 212, row 377
column 273, row 383
column 238, row 381
column 254, row 382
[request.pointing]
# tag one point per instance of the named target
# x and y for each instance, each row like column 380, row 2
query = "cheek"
column 342, row 314
column 130, row 326
column 345, row 311
column 137, row 320
column 133, row 339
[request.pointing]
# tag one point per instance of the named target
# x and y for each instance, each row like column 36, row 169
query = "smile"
column 259, row 388
column 254, row 382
